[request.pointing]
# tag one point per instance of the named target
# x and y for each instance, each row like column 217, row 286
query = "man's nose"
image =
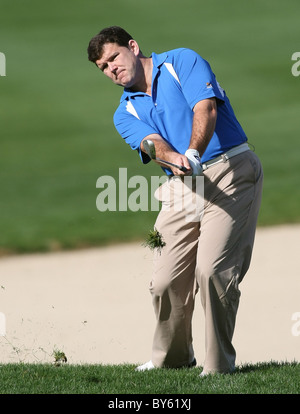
column 112, row 66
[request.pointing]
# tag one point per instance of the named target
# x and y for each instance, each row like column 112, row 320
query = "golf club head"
column 150, row 148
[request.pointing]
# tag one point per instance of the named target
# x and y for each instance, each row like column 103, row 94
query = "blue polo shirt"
column 180, row 79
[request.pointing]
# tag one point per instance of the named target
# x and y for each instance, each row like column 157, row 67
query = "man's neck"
column 145, row 82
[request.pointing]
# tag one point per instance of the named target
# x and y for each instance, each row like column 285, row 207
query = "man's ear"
column 134, row 47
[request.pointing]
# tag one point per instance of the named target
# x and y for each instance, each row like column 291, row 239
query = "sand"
column 94, row 305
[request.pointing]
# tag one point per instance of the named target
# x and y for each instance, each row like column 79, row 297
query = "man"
column 174, row 100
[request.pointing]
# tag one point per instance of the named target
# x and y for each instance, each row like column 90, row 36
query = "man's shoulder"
column 181, row 51
column 182, row 57
column 121, row 106
column 176, row 57
column 125, row 107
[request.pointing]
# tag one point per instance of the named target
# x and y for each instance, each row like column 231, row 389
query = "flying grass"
column 154, row 240
column 59, row 357
column 260, row 378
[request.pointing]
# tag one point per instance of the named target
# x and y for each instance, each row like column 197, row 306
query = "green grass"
column 261, row 378
column 57, row 135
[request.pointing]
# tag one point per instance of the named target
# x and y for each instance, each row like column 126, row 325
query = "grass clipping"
column 154, row 240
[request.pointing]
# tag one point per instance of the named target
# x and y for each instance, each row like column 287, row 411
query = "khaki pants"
column 212, row 254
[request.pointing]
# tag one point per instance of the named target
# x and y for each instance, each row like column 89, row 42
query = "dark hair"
column 112, row 34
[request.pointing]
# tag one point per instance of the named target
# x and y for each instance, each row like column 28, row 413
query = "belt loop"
column 225, row 157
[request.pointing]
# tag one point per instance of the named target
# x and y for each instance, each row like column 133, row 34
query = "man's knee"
column 159, row 287
column 220, row 283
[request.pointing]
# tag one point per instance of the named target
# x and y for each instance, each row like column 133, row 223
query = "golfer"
column 174, row 100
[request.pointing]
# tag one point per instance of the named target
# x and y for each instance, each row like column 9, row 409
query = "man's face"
column 119, row 63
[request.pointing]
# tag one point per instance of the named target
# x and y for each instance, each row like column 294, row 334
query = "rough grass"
column 261, row 378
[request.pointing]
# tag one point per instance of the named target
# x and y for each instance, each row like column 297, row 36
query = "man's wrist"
column 193, row 151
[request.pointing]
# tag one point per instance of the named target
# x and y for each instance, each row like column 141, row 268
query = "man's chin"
column 123, row 84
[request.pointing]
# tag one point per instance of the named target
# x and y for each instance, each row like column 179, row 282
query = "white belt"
column 226, row 155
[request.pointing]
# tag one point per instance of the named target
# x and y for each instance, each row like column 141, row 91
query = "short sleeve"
column 196, row 78
column 132, row 129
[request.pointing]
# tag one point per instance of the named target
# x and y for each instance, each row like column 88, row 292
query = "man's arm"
column 165, row 152
column 204, row 123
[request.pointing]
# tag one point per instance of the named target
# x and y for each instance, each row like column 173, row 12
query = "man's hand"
column 165, row 152
column 194, row 160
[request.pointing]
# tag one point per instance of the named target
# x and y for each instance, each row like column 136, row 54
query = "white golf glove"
column 194, row 160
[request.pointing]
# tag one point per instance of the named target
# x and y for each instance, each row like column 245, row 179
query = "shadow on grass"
column 264, row 366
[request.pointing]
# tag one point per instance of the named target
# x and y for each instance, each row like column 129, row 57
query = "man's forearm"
column 165, row 152
column 204, row 123
column 163, row 149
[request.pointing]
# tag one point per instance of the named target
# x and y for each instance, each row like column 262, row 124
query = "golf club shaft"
column 180, row 167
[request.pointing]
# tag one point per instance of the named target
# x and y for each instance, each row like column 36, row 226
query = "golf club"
column 150, row 149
